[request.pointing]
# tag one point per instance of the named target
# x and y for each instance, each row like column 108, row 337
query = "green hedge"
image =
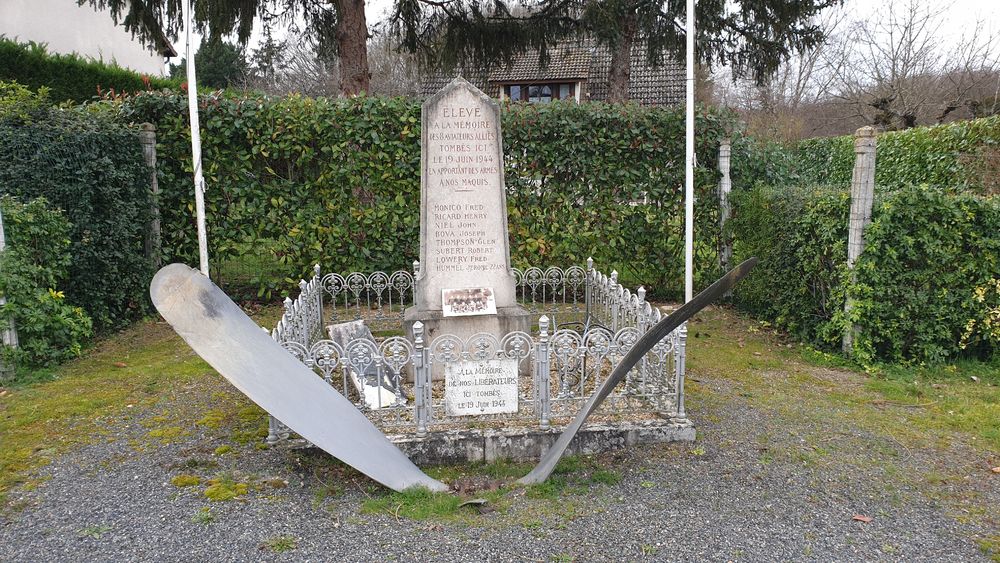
column 69, row 77
column 337, row 182
column 92, row 169
column 959, row 156
column 927, row 254
column 32, row 270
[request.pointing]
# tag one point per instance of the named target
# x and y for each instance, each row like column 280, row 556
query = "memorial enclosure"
column 498, row 353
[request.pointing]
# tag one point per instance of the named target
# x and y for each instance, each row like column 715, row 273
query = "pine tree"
column 751, row 36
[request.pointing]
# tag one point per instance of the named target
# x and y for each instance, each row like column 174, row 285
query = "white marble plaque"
column 480, row 387
column 463, row 212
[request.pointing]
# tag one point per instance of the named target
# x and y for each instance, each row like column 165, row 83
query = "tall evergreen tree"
column 752, row 36
column 339, row 26
column 219, row 65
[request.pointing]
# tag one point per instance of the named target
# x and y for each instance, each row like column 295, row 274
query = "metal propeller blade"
column 660, row 330
column 236, row 347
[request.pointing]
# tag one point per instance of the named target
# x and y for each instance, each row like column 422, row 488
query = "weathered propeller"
column 219, row 331
column 661, row 329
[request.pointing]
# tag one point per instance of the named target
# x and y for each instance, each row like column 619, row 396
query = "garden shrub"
column 92, row 169
column 32, row 268
column 923, row 289
column 928, row 253
column 959, row 157
column 69, row 77
column 799, row 236
column 337, row 182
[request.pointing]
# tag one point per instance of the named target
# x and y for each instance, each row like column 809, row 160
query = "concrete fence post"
column 147, row 138
column 862, row 196
column 725, row 211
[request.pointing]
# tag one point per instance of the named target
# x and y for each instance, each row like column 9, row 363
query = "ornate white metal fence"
column 587, row 323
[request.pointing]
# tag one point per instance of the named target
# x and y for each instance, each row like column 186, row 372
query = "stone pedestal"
column 507, row 320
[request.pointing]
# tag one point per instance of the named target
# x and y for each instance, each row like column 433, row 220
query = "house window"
column 540, row 93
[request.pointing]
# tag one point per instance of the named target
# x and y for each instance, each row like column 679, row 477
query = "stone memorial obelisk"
column 464, row 284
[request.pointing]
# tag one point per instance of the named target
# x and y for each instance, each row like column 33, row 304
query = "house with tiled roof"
column 576, row 70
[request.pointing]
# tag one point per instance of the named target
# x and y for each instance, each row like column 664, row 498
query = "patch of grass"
column 888, row 413
column 185, row 480
column 606, row 477
column 551, row 488
column 416, row 503
column 47, row 412
column 990, row 547
column 203, row 516
column 24, row 377
column 223, row 450
column 280, row 544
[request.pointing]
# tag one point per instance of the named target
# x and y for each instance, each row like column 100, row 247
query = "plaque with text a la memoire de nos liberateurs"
column 481, row 387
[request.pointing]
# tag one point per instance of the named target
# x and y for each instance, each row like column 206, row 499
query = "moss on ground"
column 185, row 480
column 48, row 413
column 40, row 421
column 225, row 488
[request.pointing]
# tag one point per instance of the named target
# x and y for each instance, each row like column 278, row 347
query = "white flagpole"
column 689, row 160
column 199, row 179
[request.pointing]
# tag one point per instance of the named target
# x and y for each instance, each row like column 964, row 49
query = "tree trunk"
column 352, row 46
column 621, row 61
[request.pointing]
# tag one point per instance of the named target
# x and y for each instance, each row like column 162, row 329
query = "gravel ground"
column 746, row 490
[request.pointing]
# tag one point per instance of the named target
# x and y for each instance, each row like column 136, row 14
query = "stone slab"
column 507, row 320
column 463, row 446
column 374, row 396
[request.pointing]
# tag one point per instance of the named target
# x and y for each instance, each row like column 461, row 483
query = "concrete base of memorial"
column 462, row 446
column 507, row 320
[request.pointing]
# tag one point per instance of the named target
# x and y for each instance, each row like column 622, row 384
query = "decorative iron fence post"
column 679, row 367
column 642, row 323
column 862, row 195
column 542, row 373
column 307, row 329
column 317, row 284
column 616, row 303
column 588, row 289
column 147, row 138
column 421, row 380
